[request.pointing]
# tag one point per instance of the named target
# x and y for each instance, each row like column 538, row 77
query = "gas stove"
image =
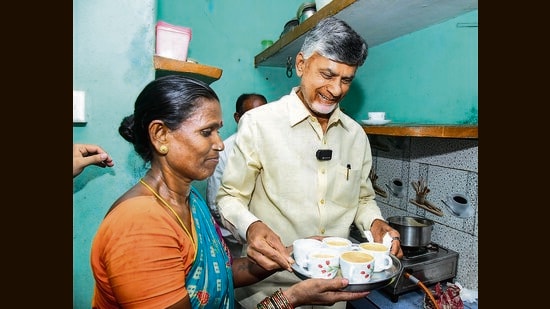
column 429, row 264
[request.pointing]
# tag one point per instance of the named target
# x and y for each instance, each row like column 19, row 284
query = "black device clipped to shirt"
column 324, row 154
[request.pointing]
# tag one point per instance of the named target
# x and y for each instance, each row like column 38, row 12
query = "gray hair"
column 336, row 40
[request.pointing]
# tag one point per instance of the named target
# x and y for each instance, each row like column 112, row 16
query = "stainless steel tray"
column 379, row 279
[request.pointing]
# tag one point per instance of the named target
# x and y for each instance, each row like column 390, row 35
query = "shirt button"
column 322, row 202
column 322, row 231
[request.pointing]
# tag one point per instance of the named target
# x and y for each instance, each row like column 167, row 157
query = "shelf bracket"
column 289, row 67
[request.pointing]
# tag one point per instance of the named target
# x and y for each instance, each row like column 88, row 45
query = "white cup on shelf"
column 377, row 115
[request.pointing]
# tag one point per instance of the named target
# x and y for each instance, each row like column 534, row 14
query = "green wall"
column 112, row 51
column 429, row 76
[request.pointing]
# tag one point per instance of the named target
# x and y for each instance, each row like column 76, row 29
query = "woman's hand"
column 321, row 292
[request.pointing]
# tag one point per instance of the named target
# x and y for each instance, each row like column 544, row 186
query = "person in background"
column 245, row 102
column 158, row 246
column 85, row 155
column 300, row 165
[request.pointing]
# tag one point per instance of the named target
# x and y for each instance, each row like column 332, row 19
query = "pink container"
column 172, row 41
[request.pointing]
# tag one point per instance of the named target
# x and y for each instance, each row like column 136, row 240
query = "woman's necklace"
column 174, row 212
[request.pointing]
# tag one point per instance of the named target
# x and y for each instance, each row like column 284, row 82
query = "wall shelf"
column 424, row 130
column 377, row 21
column 165, row 66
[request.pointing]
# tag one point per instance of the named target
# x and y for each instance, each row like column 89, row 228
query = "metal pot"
column 414, row 231
column 291, row 24
column 306, row 10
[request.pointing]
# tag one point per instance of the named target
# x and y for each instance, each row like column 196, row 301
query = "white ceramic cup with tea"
column 322, row 263
column 302, row 247
column 339, row 244
column 357, row 266
column 381, row 254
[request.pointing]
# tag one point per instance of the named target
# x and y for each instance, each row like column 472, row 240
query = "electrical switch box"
column 79, row 111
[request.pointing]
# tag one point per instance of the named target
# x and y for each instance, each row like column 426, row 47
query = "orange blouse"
column 140, row 257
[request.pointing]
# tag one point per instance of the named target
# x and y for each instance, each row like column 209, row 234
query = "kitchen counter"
column 378, row 299
column 414, row 299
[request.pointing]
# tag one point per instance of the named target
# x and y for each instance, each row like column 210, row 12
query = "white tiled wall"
column 448, row 166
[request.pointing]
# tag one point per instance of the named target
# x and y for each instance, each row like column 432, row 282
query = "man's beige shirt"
column 273, row 174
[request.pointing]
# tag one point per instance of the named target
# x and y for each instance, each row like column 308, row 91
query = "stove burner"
column 430, row 264
column 417, row 252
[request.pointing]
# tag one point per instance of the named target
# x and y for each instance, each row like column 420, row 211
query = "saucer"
column 468, row 211
column 375, row 122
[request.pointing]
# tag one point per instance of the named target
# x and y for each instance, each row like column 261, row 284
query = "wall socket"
column 79, row 106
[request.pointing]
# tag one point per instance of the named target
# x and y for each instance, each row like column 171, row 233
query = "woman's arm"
column 246, row 272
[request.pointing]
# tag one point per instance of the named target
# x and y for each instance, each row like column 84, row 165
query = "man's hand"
column 379, row 228
column 266, row 249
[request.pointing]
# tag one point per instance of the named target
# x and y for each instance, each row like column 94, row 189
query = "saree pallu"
column 210, row 280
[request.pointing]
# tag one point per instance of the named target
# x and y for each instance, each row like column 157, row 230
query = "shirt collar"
column 298, row 111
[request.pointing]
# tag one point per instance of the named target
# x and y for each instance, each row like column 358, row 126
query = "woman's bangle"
column 281, row 300
column 276, row 301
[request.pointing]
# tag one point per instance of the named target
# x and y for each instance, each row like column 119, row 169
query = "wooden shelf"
column 165, row 66
column 424, row 130
column 377, row 21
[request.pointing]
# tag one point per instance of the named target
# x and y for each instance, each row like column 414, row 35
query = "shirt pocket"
column 344, row 190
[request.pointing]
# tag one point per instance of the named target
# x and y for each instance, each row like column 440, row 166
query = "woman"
column 158, row 246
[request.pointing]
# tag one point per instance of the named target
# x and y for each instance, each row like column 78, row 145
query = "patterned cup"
column 322, row 263
column 357, row 266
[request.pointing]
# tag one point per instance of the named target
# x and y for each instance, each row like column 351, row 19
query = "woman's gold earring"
column 163, row 149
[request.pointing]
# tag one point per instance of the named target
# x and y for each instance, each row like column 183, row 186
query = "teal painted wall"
column 428, row 76
column 228, row 34
column 113, row 45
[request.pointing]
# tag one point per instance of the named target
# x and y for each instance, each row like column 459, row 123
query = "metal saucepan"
column 414, row 231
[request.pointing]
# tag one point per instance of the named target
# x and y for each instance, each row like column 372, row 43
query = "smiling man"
column 300, row 166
